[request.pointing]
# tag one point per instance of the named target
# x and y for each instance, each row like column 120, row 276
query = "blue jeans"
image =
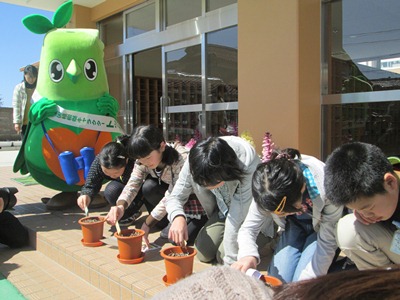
column 294, row 250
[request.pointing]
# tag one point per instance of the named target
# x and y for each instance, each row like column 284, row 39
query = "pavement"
column 8, row 152
column 58, row 266
column 7, row 157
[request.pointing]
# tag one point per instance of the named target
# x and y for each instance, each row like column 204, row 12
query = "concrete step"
column 56, row 235
column 10, row 143
column 58, row 258
column 56, row 246
column 100, row 267
column 38, row 277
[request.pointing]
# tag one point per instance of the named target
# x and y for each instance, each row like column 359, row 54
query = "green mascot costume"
column 75, row 116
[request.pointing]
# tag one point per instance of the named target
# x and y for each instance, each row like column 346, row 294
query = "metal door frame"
column 187, row 33
column 165, row 106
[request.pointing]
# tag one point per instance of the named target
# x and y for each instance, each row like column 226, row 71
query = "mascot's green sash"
column 86, row 120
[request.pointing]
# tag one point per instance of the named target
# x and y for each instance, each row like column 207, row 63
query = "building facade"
column 313, row 73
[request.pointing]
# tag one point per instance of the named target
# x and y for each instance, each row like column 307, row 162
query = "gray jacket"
column 240, row 194
column 325, row 218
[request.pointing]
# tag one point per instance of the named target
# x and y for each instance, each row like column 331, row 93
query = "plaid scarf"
column 193, row 208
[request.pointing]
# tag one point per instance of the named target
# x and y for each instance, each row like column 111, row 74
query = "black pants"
column 194, row 226
column 12, row 232
column 23, row 130
column 114, row 189
column 153, row 191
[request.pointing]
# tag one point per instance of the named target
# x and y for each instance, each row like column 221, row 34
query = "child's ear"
column 162, row 146
column 391, row 180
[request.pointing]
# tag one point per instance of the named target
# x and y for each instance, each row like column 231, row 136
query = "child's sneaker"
column 130, row 220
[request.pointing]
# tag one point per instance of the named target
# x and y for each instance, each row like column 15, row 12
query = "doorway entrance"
column 146, row 74
column 182, row 77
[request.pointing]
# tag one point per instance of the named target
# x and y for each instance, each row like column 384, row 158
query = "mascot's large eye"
column 90, row 69
column 56, row 71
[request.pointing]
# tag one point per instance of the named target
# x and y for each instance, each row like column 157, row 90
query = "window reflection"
column 114, row 77
column 179, row 10
column 184, row 126
column 364, row 46
column 111, row 30
column 184, row 75
column 215, row 4
column 375, row 123
column 222, row 122
column 140, row 20
column 221, row 51
column 222, row 78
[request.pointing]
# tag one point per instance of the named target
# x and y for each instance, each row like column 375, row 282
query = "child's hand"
column 83, row 201
column 115, row 213
column 363, row 219
column 146, row 230
column 245, row 263
column 178, row 231
column 17, row 128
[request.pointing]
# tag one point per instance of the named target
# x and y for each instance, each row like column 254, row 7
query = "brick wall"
column 7, row 132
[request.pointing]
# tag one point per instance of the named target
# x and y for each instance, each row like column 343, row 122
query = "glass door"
column 144, row 88
column 147, row 87
column 222, row 82
column 180, row 73
column 182, row 101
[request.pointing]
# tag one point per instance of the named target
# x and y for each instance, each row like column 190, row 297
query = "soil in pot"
column 173, row 254
column 92, row 230
column 91, row 220
column 130, row 246
column 178, row 263
column 134, row 233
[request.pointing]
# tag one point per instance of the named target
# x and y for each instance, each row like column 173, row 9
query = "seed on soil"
column 91, row 220
column 175, row 254
column 134, row 233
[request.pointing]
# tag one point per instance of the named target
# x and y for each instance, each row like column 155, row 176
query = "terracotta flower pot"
column 264, row 277
column 130, row 246
column 177, row 267
column 92, row 231
column 270, row 280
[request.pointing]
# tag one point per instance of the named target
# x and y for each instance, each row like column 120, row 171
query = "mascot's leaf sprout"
column 39, row 24
column 74, row 111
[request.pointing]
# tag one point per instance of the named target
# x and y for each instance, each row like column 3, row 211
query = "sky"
column 19, row 47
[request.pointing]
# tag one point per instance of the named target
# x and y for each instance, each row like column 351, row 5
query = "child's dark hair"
column 212, row 161
column 32, row 71
column 278, row 178
column 114, row 154
column 355, row 170
column 148, row 138
column 382, row 283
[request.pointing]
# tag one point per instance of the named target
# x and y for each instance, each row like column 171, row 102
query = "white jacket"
column 325, row 214
column 19, row 103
